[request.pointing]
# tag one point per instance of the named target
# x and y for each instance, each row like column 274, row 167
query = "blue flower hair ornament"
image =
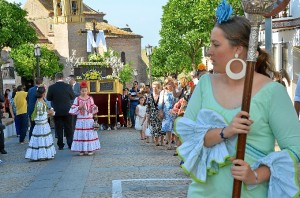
column 223, row 12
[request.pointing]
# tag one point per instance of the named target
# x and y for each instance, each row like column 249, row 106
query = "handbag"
column 148, row 131
column 161, row 111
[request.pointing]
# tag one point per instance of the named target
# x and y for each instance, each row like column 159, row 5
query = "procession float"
column 101, row 73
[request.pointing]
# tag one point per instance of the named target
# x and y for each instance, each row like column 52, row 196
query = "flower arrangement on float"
column 92, row 75
column 94, row 57
column 92, row 70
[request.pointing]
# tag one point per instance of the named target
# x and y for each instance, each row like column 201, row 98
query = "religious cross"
column 94, row 31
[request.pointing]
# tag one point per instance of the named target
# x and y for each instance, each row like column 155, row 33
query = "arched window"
column 123, row 58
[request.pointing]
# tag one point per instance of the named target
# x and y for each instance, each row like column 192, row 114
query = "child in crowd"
column 41, row 145
column 85, row 139
column 140, row 112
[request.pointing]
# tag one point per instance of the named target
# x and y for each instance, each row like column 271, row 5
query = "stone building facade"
column 59, row 23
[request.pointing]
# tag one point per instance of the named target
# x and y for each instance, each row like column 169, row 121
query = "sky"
column 142, row 16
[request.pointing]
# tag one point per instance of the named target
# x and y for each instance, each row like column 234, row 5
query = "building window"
column 8, row 73
column 59, row 7
column 74, row 8
column 123, row 58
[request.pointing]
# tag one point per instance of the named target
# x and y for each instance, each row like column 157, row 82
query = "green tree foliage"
column 25, row 61
column 186, row 26
column 14, row 28
column 126, row 74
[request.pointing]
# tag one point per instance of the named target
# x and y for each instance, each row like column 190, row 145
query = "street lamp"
column 149, row 53
column 37, row 54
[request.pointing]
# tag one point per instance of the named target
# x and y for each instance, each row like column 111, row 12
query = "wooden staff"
column 254, row 13
column 241, row 146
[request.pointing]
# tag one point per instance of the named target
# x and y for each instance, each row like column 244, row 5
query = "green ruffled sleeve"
column 284, row 124
column 283, row 121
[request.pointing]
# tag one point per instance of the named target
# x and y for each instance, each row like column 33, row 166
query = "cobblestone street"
column 124, row 167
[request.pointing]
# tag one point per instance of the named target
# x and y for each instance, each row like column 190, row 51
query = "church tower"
column 68, row 20
column 68, row 11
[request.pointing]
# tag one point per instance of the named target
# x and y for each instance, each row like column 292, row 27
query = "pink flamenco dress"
column 85, row 138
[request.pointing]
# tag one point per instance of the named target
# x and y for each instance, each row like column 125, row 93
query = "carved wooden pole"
column 254, row 11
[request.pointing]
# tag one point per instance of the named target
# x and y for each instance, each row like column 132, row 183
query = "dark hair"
column 237, row 31
column 20, row 88
column 72, row 77
column 38, row 81
column 6, row 94
column 143, row 98
column 40, row 91
column 59, row 76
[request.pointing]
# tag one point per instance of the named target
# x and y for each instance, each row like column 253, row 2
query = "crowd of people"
column 202, row 117
column 71, row 109
column 152, row 110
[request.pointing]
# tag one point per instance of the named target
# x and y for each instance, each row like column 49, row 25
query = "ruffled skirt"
column 85, row 138
column 41, row 143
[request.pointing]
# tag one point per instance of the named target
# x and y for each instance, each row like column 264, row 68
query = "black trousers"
column 125, row 112
column 32, row 124
column 64, row 125
column 1, row 140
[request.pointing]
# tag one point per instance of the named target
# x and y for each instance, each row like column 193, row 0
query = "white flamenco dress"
column 140, row 117
column 85, row 138
column 41, row 145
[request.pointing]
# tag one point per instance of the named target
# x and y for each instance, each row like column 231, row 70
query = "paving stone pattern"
column 125, row 167
column 140, row 169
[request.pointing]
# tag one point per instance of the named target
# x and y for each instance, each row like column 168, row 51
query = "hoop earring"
column 236, row 76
